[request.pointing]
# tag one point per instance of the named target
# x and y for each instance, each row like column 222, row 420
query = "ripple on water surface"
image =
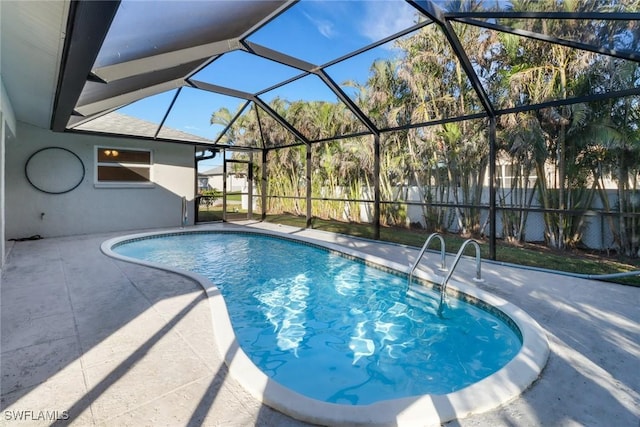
column 335, row 329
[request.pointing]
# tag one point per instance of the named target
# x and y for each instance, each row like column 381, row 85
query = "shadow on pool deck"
column 113, row 343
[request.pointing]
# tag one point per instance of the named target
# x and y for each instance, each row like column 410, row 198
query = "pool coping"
column 501, row 387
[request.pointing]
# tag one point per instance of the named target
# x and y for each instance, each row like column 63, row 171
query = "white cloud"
column 383, row 18
column 324, row 27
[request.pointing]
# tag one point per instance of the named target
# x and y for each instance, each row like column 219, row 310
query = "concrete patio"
column 89, row 340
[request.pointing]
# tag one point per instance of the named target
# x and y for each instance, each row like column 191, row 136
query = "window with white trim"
column 123, row 167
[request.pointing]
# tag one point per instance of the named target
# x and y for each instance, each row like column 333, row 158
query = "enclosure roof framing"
column 87, row 27
column 631, row 56
column 435, row 13
column 187, row 61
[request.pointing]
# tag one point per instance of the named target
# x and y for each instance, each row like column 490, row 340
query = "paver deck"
column 90, row 340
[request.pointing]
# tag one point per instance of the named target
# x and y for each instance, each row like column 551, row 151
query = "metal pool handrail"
column 478, row 278
column 443, row 266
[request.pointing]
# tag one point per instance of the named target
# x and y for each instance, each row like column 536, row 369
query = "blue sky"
column 314, row 31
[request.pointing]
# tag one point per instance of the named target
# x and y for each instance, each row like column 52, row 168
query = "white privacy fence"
column 595, row 225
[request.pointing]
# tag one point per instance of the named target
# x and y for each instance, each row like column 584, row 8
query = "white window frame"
column 122, row 184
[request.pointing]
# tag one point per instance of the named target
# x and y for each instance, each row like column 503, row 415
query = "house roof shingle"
column 122, row 124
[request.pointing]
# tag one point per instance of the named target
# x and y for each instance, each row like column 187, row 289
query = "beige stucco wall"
column 88, row 209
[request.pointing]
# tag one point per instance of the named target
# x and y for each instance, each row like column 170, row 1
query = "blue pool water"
column 333, row 328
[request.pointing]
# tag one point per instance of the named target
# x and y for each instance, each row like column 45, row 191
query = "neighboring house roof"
column 218, row 171
column 213, row 171
column 123, row 124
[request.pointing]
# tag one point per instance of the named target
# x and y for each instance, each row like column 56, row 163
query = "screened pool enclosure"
column 515, row 120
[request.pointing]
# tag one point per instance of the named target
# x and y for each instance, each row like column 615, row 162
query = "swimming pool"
column 391, row 349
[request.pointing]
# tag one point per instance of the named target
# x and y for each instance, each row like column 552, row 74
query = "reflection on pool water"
column 333, row 328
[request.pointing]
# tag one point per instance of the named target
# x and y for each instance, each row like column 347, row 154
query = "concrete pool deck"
column 95, row 341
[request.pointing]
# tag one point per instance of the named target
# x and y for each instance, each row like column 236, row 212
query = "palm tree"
column 536, row 72
column 439, row 89
column 525, row 150
column 614, row 140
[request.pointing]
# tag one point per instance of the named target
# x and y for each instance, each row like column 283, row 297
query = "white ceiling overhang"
column 32, row 41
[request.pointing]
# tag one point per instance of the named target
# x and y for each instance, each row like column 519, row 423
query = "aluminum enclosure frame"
column 90, row 21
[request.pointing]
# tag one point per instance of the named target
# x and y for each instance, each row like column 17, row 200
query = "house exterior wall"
column 88, row 208
column 213, row 179
column 2, row 203
column 234, row 183
column 8, row 115
column 7, row 127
